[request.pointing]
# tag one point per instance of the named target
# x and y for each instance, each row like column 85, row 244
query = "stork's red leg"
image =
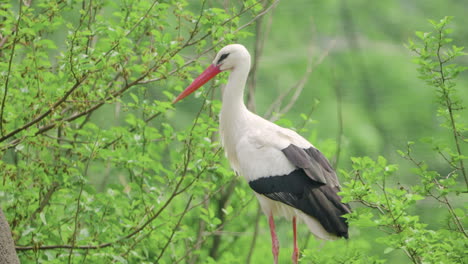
column 274, row 239
column 295, row 255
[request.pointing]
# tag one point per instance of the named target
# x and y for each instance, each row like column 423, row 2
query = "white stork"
column 289, row 176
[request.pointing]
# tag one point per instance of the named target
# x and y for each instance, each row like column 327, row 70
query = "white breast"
column 253, row 146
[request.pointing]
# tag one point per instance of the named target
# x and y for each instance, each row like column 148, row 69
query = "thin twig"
column 75, row 229
column 258, row 50
column 222, row 202
column 339, row 113
column 201, row 229
column 10, row 63
column 208, row 234
column 448, row 104
column 174, row 229
column 255, row 235
column 265, row 11
column 46, row 113
column 45, row 201
column 297, row 88
column 445, row 200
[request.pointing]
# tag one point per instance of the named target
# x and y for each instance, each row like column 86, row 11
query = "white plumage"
column 253, row 146
column 290, row 177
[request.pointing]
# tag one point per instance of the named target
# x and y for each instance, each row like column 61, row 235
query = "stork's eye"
column 224, row 56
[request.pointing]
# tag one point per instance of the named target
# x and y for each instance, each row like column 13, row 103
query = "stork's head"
column 231, row 56
column 227, row 59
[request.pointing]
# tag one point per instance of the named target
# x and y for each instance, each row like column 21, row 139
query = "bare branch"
column 255, row 235
column 449, row 106
column 339, row 113
column 264, row 12
column 45, row 200
column 275, row 107
column 75, row 227
column 260, row 37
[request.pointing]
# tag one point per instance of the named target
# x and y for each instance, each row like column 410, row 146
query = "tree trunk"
column 7, row 246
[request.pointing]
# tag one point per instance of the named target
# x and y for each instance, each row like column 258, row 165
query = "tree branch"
column 10, row 62
column 45, row 114
column 297, row 88
column 175, row 228
column 255, row 235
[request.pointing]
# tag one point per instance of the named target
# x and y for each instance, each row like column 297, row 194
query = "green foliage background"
column 97, row 166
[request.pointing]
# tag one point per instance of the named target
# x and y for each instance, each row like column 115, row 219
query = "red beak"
column 207, row 75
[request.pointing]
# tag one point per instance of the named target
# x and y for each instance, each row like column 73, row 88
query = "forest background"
column 97, row 166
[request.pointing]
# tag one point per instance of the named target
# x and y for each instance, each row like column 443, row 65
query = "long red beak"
column 207, row 75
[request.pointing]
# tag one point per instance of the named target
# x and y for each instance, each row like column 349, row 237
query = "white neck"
column 234, row 115
column 235, row 118
column 233, row 94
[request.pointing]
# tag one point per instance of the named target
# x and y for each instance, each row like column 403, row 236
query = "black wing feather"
column 304, row 160
column 311, row 188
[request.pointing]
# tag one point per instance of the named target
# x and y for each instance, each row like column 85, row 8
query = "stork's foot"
column 295, row 255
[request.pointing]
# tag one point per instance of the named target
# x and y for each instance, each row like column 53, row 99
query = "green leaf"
column 43, row 218
column 135, row 98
